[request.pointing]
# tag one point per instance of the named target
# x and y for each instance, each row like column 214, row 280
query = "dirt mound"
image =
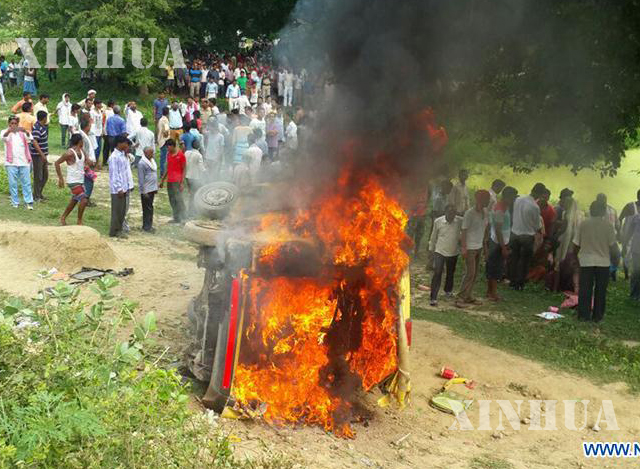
column 66, row 247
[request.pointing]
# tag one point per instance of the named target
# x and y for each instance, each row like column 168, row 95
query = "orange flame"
column 309, row 343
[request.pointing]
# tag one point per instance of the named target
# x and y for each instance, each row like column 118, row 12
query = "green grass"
column 595, row 351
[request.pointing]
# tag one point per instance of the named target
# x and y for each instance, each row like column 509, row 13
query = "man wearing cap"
column 473, row 240
column 91, row 94
column 527, row 224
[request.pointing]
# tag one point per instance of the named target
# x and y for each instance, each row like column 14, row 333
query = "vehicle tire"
column 214, row 201
column 204, row 233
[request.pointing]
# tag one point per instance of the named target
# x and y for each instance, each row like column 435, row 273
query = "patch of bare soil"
column 420, row 436
column 166, row 278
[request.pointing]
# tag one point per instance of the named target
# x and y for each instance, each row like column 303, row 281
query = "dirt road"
column 166, row 277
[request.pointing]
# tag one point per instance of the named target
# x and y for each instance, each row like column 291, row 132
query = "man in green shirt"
column 242, row 81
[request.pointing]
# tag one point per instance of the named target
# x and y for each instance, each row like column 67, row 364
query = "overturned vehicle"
column 299, row 309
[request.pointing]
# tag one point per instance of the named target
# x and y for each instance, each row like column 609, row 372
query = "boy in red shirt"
column 174, row 176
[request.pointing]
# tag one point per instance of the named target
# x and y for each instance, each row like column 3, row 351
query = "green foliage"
column 74, row 394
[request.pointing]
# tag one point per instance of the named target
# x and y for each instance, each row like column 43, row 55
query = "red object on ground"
column 448, row 373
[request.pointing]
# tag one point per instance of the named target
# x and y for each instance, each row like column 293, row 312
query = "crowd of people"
column 193, row 140
column 524, row 238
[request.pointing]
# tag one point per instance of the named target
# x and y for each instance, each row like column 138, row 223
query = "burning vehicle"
column 301, row 308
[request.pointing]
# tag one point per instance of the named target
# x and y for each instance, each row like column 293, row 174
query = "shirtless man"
column 74, row 157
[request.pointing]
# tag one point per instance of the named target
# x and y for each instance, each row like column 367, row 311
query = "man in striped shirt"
column 119, row 185
column 39, row 149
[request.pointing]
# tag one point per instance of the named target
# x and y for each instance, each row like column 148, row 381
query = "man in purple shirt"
column 115, row 126
column 119, row 185
column 272, row 136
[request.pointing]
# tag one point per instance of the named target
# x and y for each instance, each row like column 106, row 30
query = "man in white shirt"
column 459, row 195
column 472, row 240
column 527, row 224
column 212, row 89
column 63, row 109
column 133, row 119
column 97, row 117
column 175, row 121
column 291, row 135
column 194, row 172
column 142, row 139
column 253, row 158
column 17, row 162
column 233, row 93
column 242, row 102
column 288, row 89
column 213, row 149
column 444, row 246
column 259, row 122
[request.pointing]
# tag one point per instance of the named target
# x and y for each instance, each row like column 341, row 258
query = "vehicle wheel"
column 214, row 200
column 204, row 233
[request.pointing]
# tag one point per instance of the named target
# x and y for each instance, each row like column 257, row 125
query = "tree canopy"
column 554, row 81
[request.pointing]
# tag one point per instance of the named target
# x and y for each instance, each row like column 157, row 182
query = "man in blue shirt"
column 158, row 105
column 188, row 138
column 115, row 126
column 196, row 74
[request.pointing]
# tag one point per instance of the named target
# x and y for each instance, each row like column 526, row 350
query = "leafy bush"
column 73, row 395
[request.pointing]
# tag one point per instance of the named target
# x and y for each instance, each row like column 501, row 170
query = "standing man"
column 148, row 185
column 163, row 131
column 97, row 129
column 472, row 239
column 195, row 75
column 527, row 224
column 158, row 105
column 288, row 88
column 63, row 109
column 17, row 162
column 134, row 117
column 213, row 150
column 175, row 121
column 41, row 105
column 74, row 158
column 174, row 176
column 500, row 234
column 119, row 185
column 89, row 152
column 194, row 172
column 232, row 95
column 494, row 192
column 547, row 212
column 143, row 138
column 611, row 216
column 459, row 195
column 593, row 242
column 115, row 127
column 39, row 152
column 444, row 247
column 26, row 119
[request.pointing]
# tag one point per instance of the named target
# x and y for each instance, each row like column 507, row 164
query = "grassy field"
column 608, row 352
